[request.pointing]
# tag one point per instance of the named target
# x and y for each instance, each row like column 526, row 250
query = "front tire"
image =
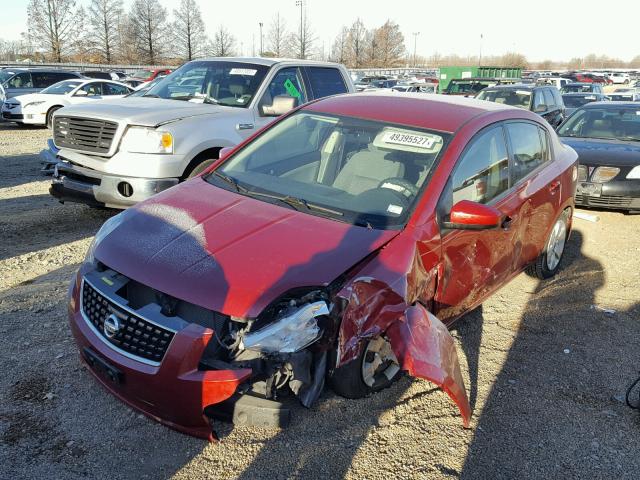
column 548, row 262
column 199, row 168
column 375, row 368
column 49, row 121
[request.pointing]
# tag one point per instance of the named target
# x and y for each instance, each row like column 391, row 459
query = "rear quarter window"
column 325, row 81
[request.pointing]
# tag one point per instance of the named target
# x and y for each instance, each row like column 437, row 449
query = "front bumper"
column 18, row 116
column 72, row 183
column 175, row 393
column 615, row 195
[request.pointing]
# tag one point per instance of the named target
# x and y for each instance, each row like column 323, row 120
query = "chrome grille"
column 84, row 134
column 136, row 336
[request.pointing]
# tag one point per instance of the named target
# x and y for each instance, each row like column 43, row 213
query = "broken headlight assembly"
column 107, row 227
column 295, row 329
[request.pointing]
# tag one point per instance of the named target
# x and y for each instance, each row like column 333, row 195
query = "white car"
column 620, row 78
column 38, row 108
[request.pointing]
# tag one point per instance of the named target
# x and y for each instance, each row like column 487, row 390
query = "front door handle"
column 245, row 126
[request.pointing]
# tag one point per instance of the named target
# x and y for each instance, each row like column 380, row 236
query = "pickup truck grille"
column 84, row 134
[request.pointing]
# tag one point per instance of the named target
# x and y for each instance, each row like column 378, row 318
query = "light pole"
column 480, row 56
column 300, row 3
column 415, row 58
column 261, row 49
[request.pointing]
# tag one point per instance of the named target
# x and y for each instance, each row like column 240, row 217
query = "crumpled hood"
column 228, row 252
column 146, row 111
column 593, row 151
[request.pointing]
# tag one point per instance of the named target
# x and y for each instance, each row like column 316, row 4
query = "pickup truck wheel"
column 375, row 369
column 50, row 113
column 199, row 168
column 548, row 262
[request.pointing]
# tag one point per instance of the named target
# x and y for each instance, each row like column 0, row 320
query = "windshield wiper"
column 231, row 181
column 296, row 203
column 150, row 95
column 633, row 139
column 204, row 98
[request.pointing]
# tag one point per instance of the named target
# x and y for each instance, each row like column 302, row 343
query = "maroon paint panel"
column 425, row 348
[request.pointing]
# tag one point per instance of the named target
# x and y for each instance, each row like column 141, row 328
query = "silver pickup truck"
column 116, row 153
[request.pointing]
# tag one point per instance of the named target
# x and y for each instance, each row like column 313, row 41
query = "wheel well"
column 207, row 154
column 53, row 107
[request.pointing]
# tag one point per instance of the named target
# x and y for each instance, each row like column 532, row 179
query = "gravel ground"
column 545, row 370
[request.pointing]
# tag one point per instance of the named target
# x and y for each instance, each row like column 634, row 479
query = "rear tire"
column 49, row 121
column 199, row 168
column 375, row 368
column 548, row 262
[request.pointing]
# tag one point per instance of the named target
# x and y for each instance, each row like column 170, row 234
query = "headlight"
column 33, row 104
column 147, row 140
column 107, row 227
column 291, row 333
column 604, row 174
column 634, row 173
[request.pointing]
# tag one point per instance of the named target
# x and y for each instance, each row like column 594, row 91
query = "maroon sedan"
column 337, row 244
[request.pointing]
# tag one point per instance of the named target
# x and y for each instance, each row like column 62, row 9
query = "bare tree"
column 224, row 43
column 55, row 25
column 188, row 29
column 357, row 45
column 148, row 21
column 277, row 36
column 389, row 45
column 104, row 16
column 301, row 43
column 339, row 48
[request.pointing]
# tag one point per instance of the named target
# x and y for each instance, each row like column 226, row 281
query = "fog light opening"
column 125, row 189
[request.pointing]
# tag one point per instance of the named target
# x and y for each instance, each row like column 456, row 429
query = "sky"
column 541, row 30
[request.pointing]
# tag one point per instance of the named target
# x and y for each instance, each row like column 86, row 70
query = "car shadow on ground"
column 566, row 402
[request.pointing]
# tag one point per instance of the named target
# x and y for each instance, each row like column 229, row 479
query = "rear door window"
column 325, row 81
column 539, row 104
column 526, row 149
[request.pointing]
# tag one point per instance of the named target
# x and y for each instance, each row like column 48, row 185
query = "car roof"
column 578, row 83
column 422, row 110
column 265, row 61
column 635, row 105
column 517, row 86
column 583, row 94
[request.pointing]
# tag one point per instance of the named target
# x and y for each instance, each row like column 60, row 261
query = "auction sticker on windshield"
column 243, row 71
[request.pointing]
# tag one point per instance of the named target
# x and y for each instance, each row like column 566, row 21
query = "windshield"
column 613, row 122
column 622, row 97
column 352, row 170
column 466, row 87
column 576, row 88
column 62, row 88
column 513, row 97
column 142, row 74
column 228, row 83
column 575, row 101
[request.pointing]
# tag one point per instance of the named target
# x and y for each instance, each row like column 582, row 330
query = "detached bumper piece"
column 49, row 158
column 249, row 410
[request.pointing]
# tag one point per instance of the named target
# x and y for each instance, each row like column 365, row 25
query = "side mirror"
column 468, row 215
column 224, row 152
column 281, row 105
column 80, row 93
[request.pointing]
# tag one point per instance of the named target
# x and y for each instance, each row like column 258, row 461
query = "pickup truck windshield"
column 226, row 83
column 348, row 169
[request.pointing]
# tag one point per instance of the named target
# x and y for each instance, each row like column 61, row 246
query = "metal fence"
column 83, row 66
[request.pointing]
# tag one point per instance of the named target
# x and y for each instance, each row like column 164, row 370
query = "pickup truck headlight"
column 293, row 331
column 634, row 174
column 33, row 104
column 146, row 140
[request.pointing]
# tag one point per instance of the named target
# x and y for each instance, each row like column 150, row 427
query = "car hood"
column 228, row 252
column 147, row 111
column 593, row 151
column 31, row 97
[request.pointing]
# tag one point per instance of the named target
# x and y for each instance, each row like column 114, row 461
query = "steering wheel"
column 400, row 185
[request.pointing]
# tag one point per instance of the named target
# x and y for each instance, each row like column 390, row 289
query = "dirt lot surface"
column 545, row 370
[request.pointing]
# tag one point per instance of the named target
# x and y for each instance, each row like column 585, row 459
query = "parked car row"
column 358, row 210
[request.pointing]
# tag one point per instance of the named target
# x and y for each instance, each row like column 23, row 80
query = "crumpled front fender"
column 425, row 349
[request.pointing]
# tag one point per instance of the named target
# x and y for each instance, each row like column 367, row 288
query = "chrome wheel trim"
column 555, row 245
column 378, row 359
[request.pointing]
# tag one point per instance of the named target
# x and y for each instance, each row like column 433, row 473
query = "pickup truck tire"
column 199, row 168
column 50, row 113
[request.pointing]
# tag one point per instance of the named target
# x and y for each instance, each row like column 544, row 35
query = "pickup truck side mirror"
column 281, row 105
column 224, row 152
